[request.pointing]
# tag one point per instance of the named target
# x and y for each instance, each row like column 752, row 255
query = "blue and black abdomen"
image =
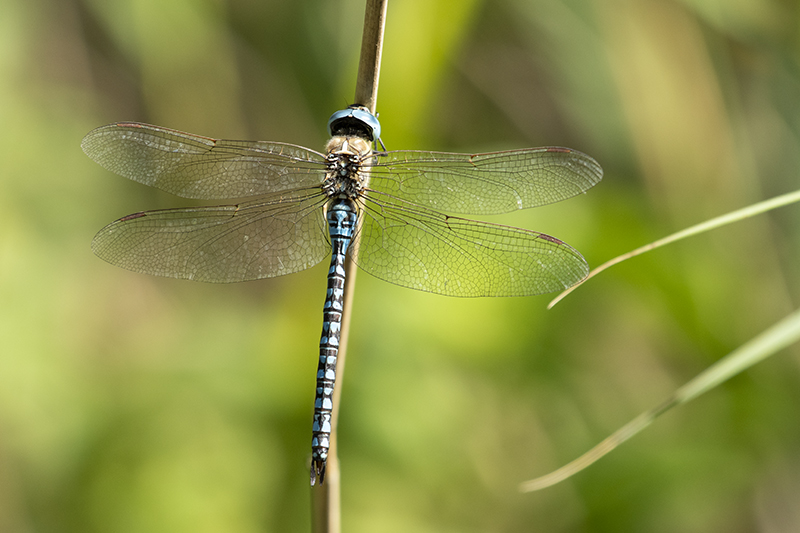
column 342, row 219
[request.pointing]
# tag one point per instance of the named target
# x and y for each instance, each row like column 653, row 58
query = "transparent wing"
column 490, row 183
column 433, row 252
column 263, row 238
column 192, row 166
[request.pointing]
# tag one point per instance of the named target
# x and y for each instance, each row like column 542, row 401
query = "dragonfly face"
column 302, row 205
column 355, row 121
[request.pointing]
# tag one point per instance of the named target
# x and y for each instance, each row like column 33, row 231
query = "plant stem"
column 369, row 66
column 722, row 220
column 326, row 497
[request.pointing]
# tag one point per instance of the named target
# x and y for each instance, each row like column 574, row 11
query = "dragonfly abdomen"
column 342, row 218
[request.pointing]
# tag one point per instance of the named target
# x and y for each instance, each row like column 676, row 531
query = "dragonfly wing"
column 433, row 252
column 490, row 183
column 192, row 166
column 259, row 239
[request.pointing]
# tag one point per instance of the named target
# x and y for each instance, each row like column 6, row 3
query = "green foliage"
column 136, row 404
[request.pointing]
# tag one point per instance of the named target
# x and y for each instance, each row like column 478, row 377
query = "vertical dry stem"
column 326, row 506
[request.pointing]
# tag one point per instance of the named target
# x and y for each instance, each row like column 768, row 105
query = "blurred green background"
column 135, row 404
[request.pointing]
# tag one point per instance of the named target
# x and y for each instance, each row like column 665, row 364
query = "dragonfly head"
column 355, row 121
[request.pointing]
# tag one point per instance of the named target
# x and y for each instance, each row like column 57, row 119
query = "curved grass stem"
column 734, row 216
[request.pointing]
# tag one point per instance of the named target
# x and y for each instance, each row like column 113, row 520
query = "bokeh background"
column 135, row 404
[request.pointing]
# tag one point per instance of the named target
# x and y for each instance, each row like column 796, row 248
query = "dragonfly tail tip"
column 317, row 471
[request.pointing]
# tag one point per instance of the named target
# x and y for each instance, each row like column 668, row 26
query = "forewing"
column 192, row 166
column 433, row 252
column 489, row 183
column 259, row 239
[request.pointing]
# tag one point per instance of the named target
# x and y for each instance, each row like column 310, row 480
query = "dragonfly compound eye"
column 356, row 121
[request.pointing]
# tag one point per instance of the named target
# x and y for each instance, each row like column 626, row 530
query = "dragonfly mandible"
column 384, row 208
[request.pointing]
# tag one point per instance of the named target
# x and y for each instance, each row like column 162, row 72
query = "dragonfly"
column 286, row 208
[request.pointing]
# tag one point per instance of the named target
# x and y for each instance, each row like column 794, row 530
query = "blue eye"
column 355, row 118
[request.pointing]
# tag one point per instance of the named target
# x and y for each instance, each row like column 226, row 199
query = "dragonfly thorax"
column 347, row 157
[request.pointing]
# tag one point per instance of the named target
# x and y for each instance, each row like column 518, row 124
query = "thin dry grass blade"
column 771, row 341
column 734, row 216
